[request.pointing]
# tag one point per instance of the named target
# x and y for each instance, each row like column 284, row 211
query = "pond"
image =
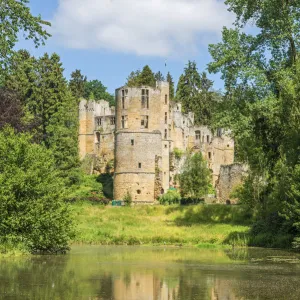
column 145, row 273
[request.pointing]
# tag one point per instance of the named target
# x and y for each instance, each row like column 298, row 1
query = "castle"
column 143, row 135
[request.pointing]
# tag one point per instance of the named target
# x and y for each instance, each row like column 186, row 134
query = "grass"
column 160, row 225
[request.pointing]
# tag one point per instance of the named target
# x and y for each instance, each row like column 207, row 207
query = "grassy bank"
column 171, row 225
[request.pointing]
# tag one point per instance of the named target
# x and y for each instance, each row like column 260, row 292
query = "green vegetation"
column 171, row 197
column 90, row 90
column 171, row 225
column 195, row 177
column 138, row 78
column 34, row 216
column 195, row 93
column 178, row 153
column 261, row 106
column 16, row 17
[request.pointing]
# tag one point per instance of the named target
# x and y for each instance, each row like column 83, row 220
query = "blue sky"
column 107, row 39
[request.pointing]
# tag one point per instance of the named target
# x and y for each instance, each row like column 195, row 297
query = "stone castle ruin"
column 146, row 135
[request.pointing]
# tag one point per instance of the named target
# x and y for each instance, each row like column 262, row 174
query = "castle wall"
column 143, row 134
column 86, row 128
column 135, row 166
column 230, row 177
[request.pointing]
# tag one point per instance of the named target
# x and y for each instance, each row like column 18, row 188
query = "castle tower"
column 86, row 128
column 142, row 142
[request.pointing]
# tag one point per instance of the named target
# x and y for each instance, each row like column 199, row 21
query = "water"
column 146, row 273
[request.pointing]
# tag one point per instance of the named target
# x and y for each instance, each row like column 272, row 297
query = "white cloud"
column 143, row 27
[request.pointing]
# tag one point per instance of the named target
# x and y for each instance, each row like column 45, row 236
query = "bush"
column 32, row 207
column 171, row 197
column 127, row 199
column 178, row 153
column 191, row 201
column 87, row 187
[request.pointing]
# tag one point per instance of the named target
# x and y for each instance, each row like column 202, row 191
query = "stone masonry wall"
column 230, row 177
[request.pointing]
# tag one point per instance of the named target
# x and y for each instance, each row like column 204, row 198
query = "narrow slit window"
column 166, row 99
column 132, row 142
column 166, row 134
column 209, row 155
column 145, row 98
column 140, row 165
column 123, row 99
column 207, row 138
column 166, row 118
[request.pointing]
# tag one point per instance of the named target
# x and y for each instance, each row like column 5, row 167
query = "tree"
column 195, row 178
column 144, row 78
column 195, row 93
column 15, row 17
column 261, row 74
column 147, row 77
column 47, row 101
column 77, row 84
column 98, row 90
column 159, row 76
column 188, row 87
column 171, row 84
column 32, row 207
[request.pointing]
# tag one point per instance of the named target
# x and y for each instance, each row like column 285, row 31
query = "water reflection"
column 129, row 273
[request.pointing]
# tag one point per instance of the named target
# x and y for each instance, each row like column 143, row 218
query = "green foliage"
column 195, row 93
column 171, row 84
column 128, row 199
column 88, row 188
column 32, row 208
column 107, row 182
column 16, row 17
column 95, row 90
column 159, row 76
column 261, row 107
column 144, row 78
column 195, row 177
column 47, row 100
column 178, row 153
column 171, row 197
column 77, row 84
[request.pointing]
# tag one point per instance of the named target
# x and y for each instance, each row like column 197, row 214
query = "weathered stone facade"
column 142, row 134
column 230, row 177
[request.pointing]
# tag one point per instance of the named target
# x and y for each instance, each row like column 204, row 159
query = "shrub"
column 127, row 199
column 171, row 197
column 32, row 207
column 178, row 153
column 191, row 201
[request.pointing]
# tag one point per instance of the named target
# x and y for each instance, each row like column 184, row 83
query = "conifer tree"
column 77, row 84
column 147, row 77
column 138, row 78
column 171, row 85
column 159, row 76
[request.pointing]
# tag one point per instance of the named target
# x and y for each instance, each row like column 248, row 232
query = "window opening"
column 198, row 135
column 145, row 98
column 166, row 118
column 166, row 99
column 132, row 142
column 207, row 138
column 112, row 121
column 144, row 121
column 140, row 165
column 166, row 134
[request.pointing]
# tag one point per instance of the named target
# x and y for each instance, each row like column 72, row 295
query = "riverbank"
column 202, row 225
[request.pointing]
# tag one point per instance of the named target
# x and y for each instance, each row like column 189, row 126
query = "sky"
column 107, row 39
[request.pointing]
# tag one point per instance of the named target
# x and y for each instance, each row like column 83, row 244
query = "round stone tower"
column 142, row 142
